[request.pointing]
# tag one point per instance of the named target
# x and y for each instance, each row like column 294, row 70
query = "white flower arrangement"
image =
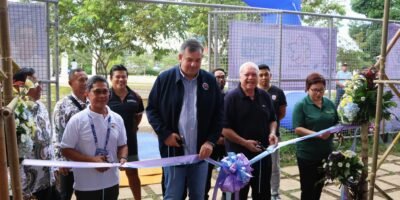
column 345, row 168
column 25, row 128
column 358, row 104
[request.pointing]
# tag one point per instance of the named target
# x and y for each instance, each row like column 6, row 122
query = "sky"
column 350, row 12
column 344, row 40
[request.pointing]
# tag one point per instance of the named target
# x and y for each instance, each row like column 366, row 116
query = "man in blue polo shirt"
column 249, row 126
column 341, row 78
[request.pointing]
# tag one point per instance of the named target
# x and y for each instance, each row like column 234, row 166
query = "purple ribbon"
column 234, row 170
column 232, row 178
column 234, row 173
column 271, row 149
column 163, row 162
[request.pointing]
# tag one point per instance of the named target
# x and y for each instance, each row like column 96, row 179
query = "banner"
column 29, row 36
column 294, row 5
column 300, row 50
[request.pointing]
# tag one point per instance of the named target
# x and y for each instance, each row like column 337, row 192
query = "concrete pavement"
column 388, row 178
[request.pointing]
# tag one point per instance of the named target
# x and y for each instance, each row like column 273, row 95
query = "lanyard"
column 94, row 132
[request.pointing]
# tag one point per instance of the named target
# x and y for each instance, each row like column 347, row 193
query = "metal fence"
column 321, row 43
column 32, row 34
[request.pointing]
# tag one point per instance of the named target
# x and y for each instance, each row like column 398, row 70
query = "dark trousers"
column 260, row 183
column 49, row 193
column 217, row 154
column 66, row 186
column 110, row 193
column 310, row 178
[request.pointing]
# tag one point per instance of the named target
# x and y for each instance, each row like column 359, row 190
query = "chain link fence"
column 319, row 43
column 31, row 30
column 292, row 48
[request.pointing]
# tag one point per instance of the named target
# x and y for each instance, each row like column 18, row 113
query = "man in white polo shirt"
column 96, row 134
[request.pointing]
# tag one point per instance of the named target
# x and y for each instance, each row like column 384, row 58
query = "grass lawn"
column 288, row 153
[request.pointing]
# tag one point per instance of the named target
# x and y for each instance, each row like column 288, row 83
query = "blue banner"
column 290, row 19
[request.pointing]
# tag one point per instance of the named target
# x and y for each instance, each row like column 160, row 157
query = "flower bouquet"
column 25, row 128
column 358, row 104
column 344, row 167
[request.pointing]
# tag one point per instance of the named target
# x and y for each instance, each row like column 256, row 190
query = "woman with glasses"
column 312, row 114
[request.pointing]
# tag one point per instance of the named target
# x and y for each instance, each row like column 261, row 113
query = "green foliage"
column 354, row 58
column 368, row 35
column 323, row 7
column 287, row 153
column 368, row 38
column 198, row 21
column 358, row 104
column 109, row 28
column 374, row 8
column 332, row 7
column 344, row 167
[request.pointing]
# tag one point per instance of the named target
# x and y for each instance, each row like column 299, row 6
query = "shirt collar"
column 183, row 75
column 243, row 95
column 309, row 101
column 97, row 115
column 79, row 101
column 180, row 75
column 112, row 92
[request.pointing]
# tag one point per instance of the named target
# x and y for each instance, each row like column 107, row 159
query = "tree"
column 330, row 7
column 374, row 8
column 198, row 22
column 368, row 35
column 109, row 28
column 354, row 58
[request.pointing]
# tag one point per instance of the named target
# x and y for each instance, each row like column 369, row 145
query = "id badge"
column 103, row 152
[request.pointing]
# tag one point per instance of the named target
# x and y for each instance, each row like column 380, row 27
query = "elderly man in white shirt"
column 96, row 134
column 64, row 109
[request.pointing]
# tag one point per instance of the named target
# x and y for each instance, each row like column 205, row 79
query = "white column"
column 64, row 64
column 93, row 64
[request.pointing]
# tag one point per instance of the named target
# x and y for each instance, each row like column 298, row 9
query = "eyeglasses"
column 314, row 90
column 220, row 77
column 100, row 91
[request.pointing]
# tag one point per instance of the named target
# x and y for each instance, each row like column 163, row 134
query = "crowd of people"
column 191, row 113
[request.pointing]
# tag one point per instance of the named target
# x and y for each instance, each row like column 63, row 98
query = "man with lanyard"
column 129, row 105
column 279, row 101
column 96, row 134
column 185, row 111
column 64, row 109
